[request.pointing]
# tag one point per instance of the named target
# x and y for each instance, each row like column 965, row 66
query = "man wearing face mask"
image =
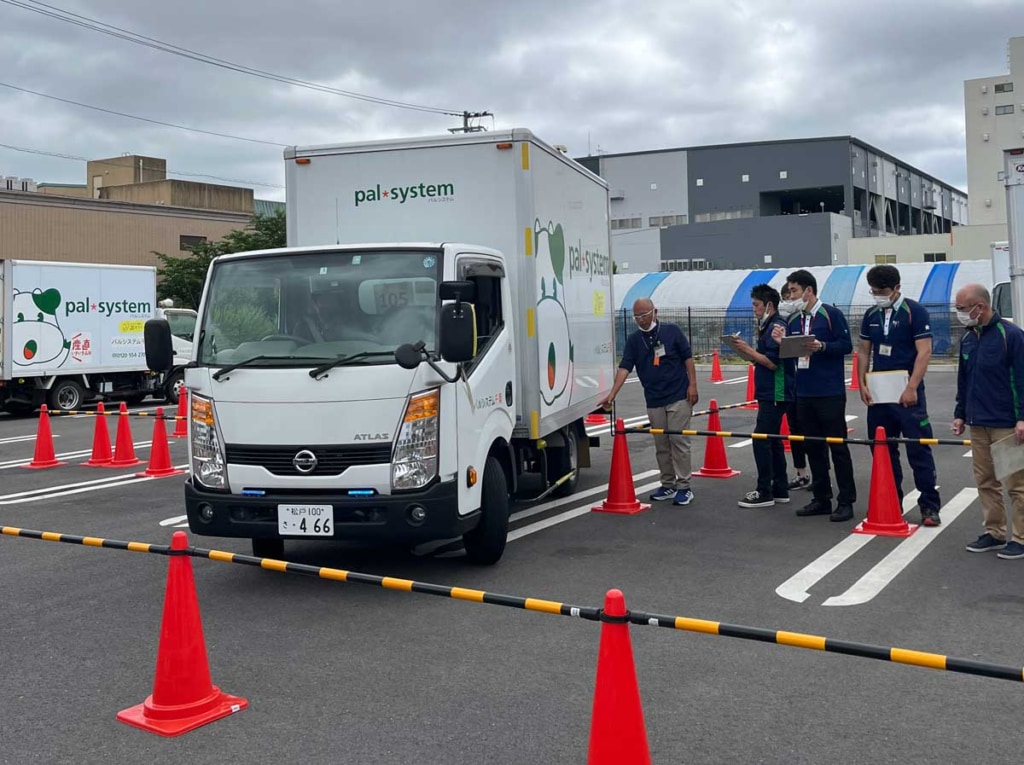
column 821, row 393
column 773, row 388
column 990, row 398
column 661, row 355
column 896, row 335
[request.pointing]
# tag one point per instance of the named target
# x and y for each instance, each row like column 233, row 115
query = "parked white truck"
column 72, row 332
column 1008, row 257
column 345, row 388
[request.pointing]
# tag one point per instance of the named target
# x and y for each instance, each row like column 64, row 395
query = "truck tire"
column 173, row 386
column 135, row 399
column 486, row 542
column 562, row 460
column 66, row 394
column 268, row 548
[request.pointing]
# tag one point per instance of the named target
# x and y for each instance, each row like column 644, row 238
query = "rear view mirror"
column 159, row 347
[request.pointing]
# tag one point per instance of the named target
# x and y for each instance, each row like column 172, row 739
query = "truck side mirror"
column 457, row 291
column 159, row 348
column 457, row 342
column 409, row 356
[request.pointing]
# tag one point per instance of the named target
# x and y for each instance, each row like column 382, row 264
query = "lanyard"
column 885, row 326
column 807, row 324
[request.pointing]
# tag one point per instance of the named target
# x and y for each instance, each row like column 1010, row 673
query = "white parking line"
column 969, row 453
column 18, row 439
column 796, row 587
column 66, row 456
column 66, row 491
column 741, row 444
column 875, row 580
column 576, row 512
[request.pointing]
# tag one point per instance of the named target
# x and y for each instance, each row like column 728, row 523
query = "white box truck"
column 1008, row 257
column 71, row 332
column 440, row 324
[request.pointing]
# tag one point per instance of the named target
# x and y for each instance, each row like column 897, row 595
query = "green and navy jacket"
column 990, row 375
column 826, row 374
column 779, row 384
column 908, row 323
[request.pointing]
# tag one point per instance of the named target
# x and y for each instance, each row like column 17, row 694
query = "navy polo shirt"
column 908, row 322
column 666, row 382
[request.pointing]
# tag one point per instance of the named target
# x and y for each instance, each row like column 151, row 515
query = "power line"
column 136, row 117
column 176, row 50
column 60, row 155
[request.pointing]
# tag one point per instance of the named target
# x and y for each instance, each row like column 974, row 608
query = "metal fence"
column 705, row 327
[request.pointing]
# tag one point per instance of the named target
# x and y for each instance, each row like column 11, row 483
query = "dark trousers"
column 910, row 422
column 826, row 416
column 770, row 454
column 796, row 447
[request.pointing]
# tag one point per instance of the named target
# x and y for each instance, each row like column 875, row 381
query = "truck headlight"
column 208, row 463
column 414, row 463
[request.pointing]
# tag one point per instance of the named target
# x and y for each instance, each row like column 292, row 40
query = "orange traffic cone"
column 124, row 448
column 716, row 368
column 184, row 697
column 595, row 419
column 181, row 421
column 715, row 463
column 159, row 454
column 751, row 390
column 101, row 455
column 617, row 731
column 784, row 431
column 885, row 516
column 855, row 376
column 621, row 492
column 44, row 456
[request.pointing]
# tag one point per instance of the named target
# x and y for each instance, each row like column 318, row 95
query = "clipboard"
column 1007, row 457
column 730, row 340
column 792, row 346
column 887, row 387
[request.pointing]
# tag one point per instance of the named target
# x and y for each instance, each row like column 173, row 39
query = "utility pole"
column 466, row 127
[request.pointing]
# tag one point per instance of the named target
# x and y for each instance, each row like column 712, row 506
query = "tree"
column 182, row 277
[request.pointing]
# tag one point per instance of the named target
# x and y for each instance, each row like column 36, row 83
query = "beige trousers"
column 990, row 490
column 673, row 452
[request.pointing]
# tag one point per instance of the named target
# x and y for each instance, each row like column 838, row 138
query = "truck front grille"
column 330, row 459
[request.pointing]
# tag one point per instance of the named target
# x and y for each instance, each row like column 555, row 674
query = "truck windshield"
column 310, row 308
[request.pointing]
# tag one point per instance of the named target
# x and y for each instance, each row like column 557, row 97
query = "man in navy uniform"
column 896, row 335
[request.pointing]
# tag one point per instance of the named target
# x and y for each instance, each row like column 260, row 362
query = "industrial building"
column 127, row 210
column 771, row 203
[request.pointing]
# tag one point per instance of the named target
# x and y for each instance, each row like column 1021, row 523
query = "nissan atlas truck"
column 438, row 328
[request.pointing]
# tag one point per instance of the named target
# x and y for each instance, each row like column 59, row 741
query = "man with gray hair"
column 990, row 398
column 661, row 355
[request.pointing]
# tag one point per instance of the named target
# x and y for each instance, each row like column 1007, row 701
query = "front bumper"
column 377, row 519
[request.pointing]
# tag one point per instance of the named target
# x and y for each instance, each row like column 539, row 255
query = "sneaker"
column 985, row 543
column 781, row 499
column 756, row 499
column 683, row 497
column 800, row 482
column 842, row 513
column 816, row 507
column 1012, row 551
column 662, row 493
column 930, row 517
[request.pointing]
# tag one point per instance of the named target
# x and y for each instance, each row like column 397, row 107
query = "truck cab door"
column 485, row 408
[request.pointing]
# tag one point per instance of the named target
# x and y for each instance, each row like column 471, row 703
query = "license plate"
column 305, row 520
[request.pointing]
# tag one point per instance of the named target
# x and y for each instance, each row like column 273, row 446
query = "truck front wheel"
column 485, row 543
column 66, row 394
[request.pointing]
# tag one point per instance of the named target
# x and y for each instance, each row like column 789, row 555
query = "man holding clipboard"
column 896, row 336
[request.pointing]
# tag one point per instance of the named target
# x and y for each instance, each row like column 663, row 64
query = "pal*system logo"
column 432, row 192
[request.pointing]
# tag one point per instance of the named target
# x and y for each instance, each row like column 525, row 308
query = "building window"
column 626, row 223
column 935, row 257
column 1007, row 109
column 186, row 242
column 745, row 178
column 1004, row 87
column 656, row 221
column 783, row 174
column 883, row 259
column 700, row 181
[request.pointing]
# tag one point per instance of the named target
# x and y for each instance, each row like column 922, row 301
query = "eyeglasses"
column 966, row 309
column 885, row 291
column 639, row 316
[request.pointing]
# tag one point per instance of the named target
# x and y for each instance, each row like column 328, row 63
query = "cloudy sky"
column 595, row 75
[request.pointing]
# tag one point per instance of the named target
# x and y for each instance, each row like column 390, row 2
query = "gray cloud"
column 621, row 76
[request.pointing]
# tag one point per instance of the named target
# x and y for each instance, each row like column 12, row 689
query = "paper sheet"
column 887, row 387
column 792, row 347
column 1007, row 456
column 730, row 340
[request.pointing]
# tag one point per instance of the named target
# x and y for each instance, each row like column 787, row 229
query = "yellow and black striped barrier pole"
column 112, row 413
column 589, row 613
column 797, row 438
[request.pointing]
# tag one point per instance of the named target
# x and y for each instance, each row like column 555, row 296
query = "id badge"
column 659, row 351
column 885, row 350
column 804, row 362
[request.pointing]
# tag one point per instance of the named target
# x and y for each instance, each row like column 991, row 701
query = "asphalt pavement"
column 347, row 673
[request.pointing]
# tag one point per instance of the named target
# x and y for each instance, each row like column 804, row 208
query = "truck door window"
column 487, row 277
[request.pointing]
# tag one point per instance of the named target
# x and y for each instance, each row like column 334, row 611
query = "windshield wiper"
column 317, row 372
column 262, row 357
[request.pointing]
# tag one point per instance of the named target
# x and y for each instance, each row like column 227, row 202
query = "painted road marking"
column 796, row 587
column 66, row 456
column 554, row 520
column 86, row 486
column 748, row 441
column 17, row 439
column 875, row 580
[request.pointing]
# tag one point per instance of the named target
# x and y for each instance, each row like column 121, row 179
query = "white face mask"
column 964, row 317
column 793, row 306
column 883, row 301
column 786, row 309
column 654, row 326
